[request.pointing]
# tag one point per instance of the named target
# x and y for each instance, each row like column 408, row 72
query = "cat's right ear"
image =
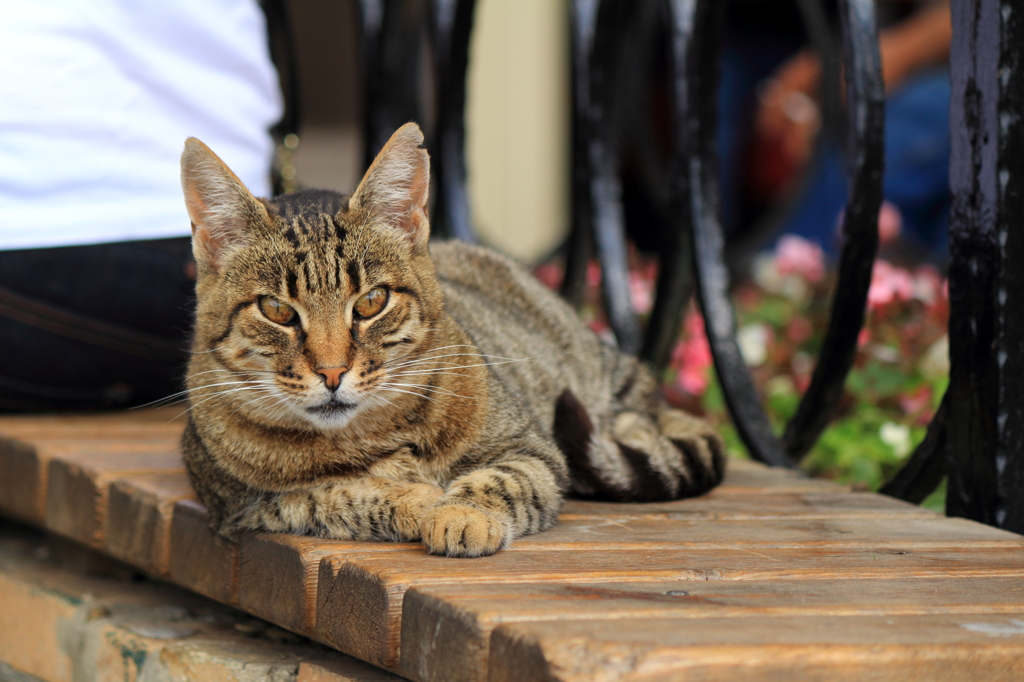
column 219, row 205
column 397, row 185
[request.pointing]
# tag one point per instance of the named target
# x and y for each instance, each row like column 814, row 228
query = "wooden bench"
column 772, row 575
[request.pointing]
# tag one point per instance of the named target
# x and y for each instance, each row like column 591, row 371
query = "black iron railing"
column 977, row 435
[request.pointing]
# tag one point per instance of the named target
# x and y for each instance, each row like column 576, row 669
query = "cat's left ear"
column 219, row 205
column 397, row 185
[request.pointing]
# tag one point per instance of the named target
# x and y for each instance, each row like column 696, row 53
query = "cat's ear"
column 219, row 205
column 397, row 184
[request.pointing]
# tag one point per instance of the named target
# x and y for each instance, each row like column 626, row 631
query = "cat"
column 349, row 380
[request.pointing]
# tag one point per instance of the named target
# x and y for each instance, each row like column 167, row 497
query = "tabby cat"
column 348, row 380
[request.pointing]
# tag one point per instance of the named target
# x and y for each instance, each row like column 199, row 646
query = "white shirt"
column 97, row 98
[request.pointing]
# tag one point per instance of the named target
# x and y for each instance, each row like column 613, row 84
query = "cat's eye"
column 278, row 311
column 371, row 303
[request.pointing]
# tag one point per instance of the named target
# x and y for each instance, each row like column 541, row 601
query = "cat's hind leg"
column 640, row 449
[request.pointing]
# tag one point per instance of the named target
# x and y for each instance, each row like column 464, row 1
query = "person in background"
column 96, row 278
column 776, row 158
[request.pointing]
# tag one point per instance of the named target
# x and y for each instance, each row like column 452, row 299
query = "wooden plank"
column 139, row 513
column 25, row 463
column 115, row 418
column 631, row 533
column 84, row 430
column 23, row 483
column 928, row 647
column 734, row 506
column 277, row 574
column 753, row 478
column 78, row 483
column 446, row 629
column 201, row 560
column 360, row 598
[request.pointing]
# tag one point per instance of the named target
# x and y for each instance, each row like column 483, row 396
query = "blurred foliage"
column 895, row 386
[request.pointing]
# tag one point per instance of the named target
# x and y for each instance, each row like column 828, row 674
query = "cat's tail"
column 638, row 457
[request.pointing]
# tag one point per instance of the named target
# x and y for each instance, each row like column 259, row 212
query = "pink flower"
column 889, row 284
column 799, row 330
column 797, row 256
column 693, row 380
column 917, row 402
column 549, row 274
column 692, row 357
column 927, row 284
column 593, row 274
column 641, row 292
column 890, row 223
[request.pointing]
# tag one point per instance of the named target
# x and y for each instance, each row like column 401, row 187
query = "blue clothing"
column 916, row 179
column 917, row 149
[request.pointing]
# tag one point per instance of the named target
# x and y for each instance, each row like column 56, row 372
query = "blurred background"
column 517, row 115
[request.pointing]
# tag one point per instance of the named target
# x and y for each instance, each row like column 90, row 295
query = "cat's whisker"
column 399, row 390
column 424, row 360
column 438, row 368
column 451, row 367
column 211, row 350
column 432, row 389
column 172, row 399
column 198, row 390
column 182, row 395
column 205, row 399
column 258, row 400
column 282, row 407
column 381, row 399
column 227, row 392
column 461, row 377
column 231, row 372
column 441, row 348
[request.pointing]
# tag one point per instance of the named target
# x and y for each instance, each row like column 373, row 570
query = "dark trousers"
column 90, row 327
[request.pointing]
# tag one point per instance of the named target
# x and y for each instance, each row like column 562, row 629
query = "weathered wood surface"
column 771, row 576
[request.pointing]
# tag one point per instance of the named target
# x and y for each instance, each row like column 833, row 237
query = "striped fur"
column 467, row 406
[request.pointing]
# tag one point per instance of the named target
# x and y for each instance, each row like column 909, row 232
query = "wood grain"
column 201, row 560
column 23, row 483
column 28, row 443
column 753, row 478
column 360, row 598
column 278, row 574
column 446, row 629
column 140, row 507
column 927, row 647
column 78, row 483
column 763, row 506
column 771, row 576
column 647, row 534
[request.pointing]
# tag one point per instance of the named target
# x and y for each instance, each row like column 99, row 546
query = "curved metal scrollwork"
column 697, row 26
column 865, row 96
column 599, row 30
column 393, row 38
column 601, row 37
column 451, row 26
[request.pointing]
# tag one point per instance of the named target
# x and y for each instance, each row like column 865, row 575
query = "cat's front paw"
column 464, row 531
column 414, row 504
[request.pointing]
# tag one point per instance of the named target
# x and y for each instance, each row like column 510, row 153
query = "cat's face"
column 312, row 304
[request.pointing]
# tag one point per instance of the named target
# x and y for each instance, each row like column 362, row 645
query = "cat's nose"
column 332, row 375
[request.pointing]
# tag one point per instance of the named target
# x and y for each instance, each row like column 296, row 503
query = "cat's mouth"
column 331, row 408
